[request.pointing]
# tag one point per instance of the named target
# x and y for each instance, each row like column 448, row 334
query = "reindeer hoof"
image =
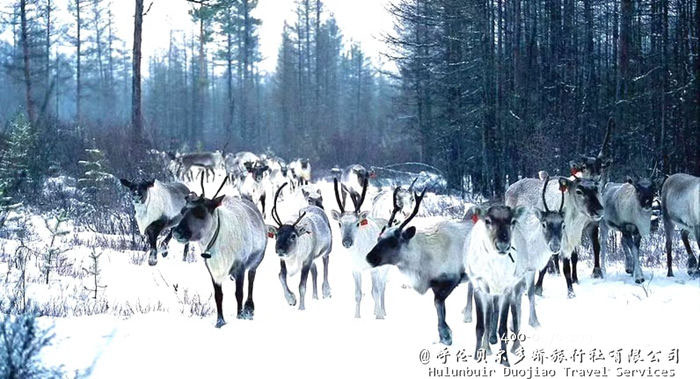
column 534, row 323
column 326, row 291
column 219, row 323
column 291, row 299
column 504, row 361
column 538, row 291
column 152, row 258
column 571, row 295
column 446, row 337
column 597, row 273
column 639, row 280
column 467, row 318
column 670, row 274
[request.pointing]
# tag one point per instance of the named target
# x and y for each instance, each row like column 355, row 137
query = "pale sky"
column 363, row 21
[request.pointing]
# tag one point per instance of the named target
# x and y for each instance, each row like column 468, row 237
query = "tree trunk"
column 136, row 116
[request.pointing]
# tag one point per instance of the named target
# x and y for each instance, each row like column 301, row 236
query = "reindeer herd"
column 501, row 250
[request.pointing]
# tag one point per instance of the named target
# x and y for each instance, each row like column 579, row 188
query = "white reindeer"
column 358, row 235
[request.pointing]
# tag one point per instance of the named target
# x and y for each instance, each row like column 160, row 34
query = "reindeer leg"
column 574, row 261
column 516, row 312
column 302, row 285
column 468, row 307
column 185, row 251
column 534, row 322
column 262, row 202
column 636, row 241
column 480, row 318
column 239, row 276
column 540, row 279
column 668, row 232
column 378, row 281
column 326, row 285
column 442, row 289
column 567, row 276
column 314, row 280
column 493, row 330
column 291, row 299
column 164, row 243
column 219, row 297
column 595, row 241
column 249, row 307
column 152, row 233
column 692, row 262
column 357, row 276
column 502, row 311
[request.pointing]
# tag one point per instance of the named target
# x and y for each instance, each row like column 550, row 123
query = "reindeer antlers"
column 358, row 204
column 275, row 215
column 544, row 198
column 419, row 199
column 396, row 206
column 337, row 195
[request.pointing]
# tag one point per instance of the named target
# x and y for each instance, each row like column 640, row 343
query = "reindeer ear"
column 215, row 203
column 519, row 212
column 564, row 183
column 126, row 183
column 150, row 183
column 335, row 214
column 303, row 229
column 409, row 233
column 629, row 180
column 539, row 214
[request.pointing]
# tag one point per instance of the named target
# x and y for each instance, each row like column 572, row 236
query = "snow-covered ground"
column 159, row 321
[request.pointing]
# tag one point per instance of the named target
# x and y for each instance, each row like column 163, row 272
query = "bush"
column 21, row 342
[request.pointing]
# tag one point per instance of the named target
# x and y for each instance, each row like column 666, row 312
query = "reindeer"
column 431, row 259
column 298, row 245
column 312, row 195
column 157, row 206
column 628, row 210
column 231, row 236
column 351, row 181
column 239, row 165
column 206, row 162
column 253, row 186
column 493, row 271
column 301, row 172
column 359, row 234
column 680, row 207
column 581, row 207
column 401, row 197
column 593, row 167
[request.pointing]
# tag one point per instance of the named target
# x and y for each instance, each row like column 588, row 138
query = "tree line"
column 484, row 90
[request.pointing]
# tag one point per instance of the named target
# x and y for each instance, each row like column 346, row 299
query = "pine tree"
column 17, row 166
column 95, row 177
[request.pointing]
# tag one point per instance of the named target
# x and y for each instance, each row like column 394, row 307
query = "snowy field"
column 159, row 321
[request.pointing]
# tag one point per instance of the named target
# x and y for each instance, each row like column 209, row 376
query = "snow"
column 152, row 329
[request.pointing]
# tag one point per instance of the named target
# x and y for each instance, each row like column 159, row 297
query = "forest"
column 484, row 90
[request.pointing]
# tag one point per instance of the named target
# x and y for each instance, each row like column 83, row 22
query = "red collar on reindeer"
column 475, row 218
column 363, row 222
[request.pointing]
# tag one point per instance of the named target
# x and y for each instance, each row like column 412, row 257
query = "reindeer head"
column 585, row 195
column 499, row 221
column 197, row 217
column 645, row 190
column 592, row 167
column 551, row 222
column 258, row 171
column 138, row 190
column 394, row 238
column 349, row 221
column 312, row 195
column 287, row 235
